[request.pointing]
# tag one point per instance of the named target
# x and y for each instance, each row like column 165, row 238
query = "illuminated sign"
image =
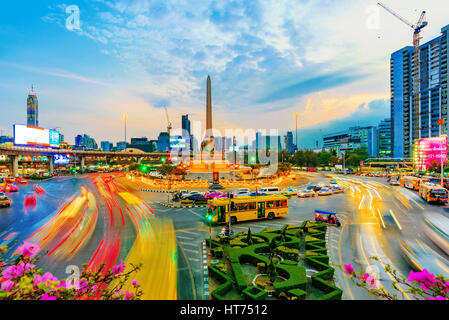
column 24, row 135
column 431, row 150
column 61, row 159
column 54, row 138
column 178, row 143
column 34, row 136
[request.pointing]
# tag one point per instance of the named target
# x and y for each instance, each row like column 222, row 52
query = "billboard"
column 29, row 135
column 54, row 138
column 61, row 159
column 431, row 150
column 25, row 135
column 178, row 143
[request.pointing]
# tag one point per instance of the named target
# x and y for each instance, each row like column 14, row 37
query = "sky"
column 326, row 60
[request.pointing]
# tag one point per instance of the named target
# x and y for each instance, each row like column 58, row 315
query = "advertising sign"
column 432, row 150
column 54, row 138
column 61, row 159
column 178, row 143
column 24, row 135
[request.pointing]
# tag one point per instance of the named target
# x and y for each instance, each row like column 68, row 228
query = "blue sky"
column 326, row 60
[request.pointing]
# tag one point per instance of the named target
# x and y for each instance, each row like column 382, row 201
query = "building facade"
column 32, row 109
column 384, row 139
column 409, row 120
column 353, row 138
column 106, row 146
column 163, row 142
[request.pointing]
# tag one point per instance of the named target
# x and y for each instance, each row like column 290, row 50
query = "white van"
column 269, row 190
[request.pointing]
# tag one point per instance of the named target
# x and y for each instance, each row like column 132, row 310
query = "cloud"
column 311, row 85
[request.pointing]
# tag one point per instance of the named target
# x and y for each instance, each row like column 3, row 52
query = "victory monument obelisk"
column 208, row 145
column 209, row 107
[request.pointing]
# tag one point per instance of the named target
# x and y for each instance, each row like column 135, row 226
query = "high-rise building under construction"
column 432, row 107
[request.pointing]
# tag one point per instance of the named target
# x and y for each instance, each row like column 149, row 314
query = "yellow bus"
column 247, row 208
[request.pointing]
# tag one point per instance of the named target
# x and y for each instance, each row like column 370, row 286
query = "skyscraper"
column 432, row 73
column 290, row 144
column 32, row 109
column 185, row 123
column 384, row 136
column 208, row 105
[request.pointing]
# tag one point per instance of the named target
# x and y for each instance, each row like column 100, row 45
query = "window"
column 270, row 204
column 252, row 206
column 277, row 203
column 283, row 203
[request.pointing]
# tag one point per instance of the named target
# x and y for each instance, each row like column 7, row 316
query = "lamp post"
column 296, row 117
column 233, row 183
column 125, row 117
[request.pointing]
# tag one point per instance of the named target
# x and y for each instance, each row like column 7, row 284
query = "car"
column 269, row 190
column 338, row 189
column 11, row 188
column 306, row 194
column 394, row 182
column 2, row 189
column 257, row 194
column 215, row 195
column 191, row 193
column 216, row 186
column 290, row 191
column 243, row 192
column 4, row 200
column 325, row 192
column 195, row 197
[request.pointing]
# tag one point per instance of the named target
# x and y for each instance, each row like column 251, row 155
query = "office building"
column 290, row 146
column 409, row 120
column 353, row 138
column 106, row 146
column 163, row 142
column 121, row 145
column 384, row 139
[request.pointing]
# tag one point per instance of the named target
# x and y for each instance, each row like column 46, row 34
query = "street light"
column 296, row 117
column 125, row 117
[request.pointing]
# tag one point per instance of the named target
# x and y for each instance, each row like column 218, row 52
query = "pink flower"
column 7, row 285
column 62, row 284
column 46, row 296
column 119, row 268
column 134, row 283
column 46, row 278
column 12, row 272
column 128, row 295
column 349, row 269
column 437, row 298
column 424, row 278
column 28, row 249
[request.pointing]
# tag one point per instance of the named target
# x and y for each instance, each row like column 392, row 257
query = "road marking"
column 190, row 250
column 189, row 244
column 190, row 232
column 185, row 238
column 422, row 208
column 341, row 262
column 197, row 214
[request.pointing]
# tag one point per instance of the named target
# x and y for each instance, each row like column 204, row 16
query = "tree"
column 166, row 170
column 284, row 168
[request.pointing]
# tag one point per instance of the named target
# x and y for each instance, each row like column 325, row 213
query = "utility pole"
column 233, row 182
column 297, row 145
column 125, row 117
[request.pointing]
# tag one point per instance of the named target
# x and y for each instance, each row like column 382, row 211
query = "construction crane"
column 415, row 68
column 169, row 126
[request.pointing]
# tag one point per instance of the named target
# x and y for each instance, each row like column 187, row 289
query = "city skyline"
column 266, row 70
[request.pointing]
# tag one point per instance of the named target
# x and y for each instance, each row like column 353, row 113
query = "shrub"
column 254, row 293
column 217, row 252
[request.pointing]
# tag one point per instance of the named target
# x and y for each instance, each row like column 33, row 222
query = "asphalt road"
column 132, row 225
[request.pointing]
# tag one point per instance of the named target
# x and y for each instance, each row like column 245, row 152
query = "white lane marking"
column 190, row 250
column 185, row 238
column 190, row 232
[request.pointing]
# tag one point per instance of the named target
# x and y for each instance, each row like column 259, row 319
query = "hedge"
column 254, row 293
column 296, row 278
